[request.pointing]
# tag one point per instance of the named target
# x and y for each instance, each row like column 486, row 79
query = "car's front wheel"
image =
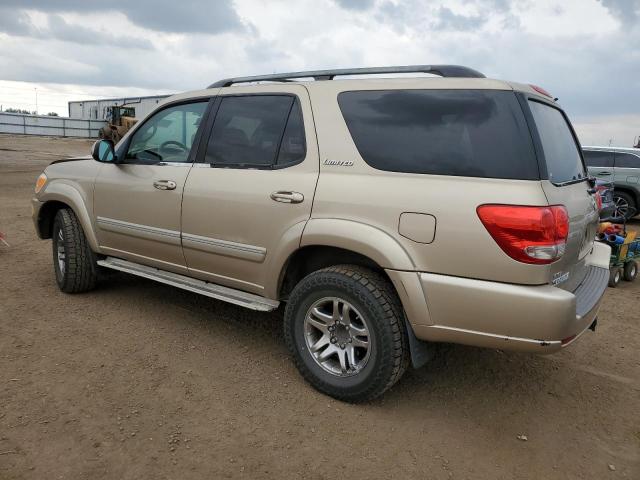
column 73, row 261
column 344, row 327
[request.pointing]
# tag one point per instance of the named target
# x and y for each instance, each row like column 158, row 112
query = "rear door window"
column 627, row 160
column 474, row 133
column 248, row 131
column 595, row 158
column 559, row 146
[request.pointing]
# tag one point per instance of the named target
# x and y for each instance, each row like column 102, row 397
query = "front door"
column 137, row 201
column 252, row 193
column 599, row 163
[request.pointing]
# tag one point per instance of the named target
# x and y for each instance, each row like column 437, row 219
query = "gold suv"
column 387, row 213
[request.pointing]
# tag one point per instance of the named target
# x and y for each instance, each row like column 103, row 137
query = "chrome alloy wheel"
column 61, row 252
column 337, row 336
column 621, row 207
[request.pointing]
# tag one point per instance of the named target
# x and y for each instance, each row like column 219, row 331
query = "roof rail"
column 442, row 70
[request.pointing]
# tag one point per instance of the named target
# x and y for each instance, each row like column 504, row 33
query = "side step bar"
column 226, row 294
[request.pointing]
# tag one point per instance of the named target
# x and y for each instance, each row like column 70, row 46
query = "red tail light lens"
column 598, row 196
column 535, row 235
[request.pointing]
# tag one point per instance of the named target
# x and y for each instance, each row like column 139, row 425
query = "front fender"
column 65, row 192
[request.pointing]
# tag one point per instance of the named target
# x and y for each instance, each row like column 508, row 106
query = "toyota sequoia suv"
column 385, row 213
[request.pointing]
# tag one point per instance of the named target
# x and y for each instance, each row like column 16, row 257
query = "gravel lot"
column 140, row 380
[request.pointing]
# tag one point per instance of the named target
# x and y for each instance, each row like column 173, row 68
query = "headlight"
column 42, row 179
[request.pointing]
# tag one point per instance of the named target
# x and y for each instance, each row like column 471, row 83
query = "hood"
column 72, row 159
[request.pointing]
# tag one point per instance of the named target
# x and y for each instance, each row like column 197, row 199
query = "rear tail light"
column 535, row 235
column 598, row 196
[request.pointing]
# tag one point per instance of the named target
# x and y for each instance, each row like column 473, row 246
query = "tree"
column 19, row 110
column 52, row 114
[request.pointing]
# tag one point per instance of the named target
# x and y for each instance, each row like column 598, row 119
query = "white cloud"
column 583, row 51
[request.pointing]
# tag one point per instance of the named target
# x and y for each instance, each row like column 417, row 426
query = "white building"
column 97, row 109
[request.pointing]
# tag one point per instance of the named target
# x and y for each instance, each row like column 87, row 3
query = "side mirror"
column 103, row 151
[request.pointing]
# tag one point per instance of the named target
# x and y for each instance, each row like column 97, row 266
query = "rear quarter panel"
column 361, row 194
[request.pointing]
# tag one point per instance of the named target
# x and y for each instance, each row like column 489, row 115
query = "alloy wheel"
column 337, row 336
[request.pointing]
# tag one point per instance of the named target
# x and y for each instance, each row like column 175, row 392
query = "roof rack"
column 442, row 70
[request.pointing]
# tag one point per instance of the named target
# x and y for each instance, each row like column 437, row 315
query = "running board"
column 226, row 294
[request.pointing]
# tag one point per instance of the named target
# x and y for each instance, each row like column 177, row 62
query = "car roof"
column 376, row 83
column 635, row 151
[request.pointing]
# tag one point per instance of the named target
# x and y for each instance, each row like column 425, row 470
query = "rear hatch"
column 565, row 184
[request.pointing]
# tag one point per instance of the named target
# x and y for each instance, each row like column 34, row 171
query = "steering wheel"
column 177, row 149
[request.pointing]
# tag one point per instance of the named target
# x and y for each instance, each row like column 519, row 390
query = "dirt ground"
column 140, row 380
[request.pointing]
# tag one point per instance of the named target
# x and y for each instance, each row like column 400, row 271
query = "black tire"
column 79, row 270
column 372, row 295
column 623, row 198
column 615, row 275
column 630, row 271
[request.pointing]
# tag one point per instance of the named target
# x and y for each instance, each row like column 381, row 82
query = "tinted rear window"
column 558, row 144
column 595, row 158
column 473, row 133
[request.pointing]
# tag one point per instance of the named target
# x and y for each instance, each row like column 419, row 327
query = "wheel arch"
column 635, row 194
column 60, row 195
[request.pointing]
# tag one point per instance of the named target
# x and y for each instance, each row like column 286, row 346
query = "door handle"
column 287, row 197
column 604, row 173
column 165, row 184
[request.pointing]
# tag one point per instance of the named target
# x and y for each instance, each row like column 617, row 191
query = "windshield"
column 558, row 144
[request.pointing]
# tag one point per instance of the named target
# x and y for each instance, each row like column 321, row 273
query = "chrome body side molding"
column 224, row 247
column 171, row 237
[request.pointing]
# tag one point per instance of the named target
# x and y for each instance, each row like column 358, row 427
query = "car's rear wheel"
column 625, row 205
column 630, row 271
column 615, row 275
column 73, row 261
column 344, row 327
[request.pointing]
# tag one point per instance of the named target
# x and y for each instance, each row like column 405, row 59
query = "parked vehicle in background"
column 621, row 166
column 607, row 203
column 385, row 212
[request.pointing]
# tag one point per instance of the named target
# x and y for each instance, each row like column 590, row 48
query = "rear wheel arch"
column 311, row 258
column 634, row 194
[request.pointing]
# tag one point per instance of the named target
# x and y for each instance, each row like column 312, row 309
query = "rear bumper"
column 540, row 318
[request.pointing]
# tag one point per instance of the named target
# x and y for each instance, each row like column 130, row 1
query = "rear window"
column 558, row 144
column 472, row 133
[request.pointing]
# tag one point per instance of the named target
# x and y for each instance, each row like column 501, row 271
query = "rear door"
column 627, row 169
column 249, row 197
column 566, row 185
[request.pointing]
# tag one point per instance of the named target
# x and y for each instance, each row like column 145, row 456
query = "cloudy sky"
column 586, row 52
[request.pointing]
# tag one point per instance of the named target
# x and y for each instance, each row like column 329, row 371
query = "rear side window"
column 594, row 158
column 627, row 160
column 558, row 144
column 293, row 147
column 248, row 132
column 473, row 133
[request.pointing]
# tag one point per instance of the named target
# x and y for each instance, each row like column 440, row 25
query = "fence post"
column 64, row 130
column 24, row 124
